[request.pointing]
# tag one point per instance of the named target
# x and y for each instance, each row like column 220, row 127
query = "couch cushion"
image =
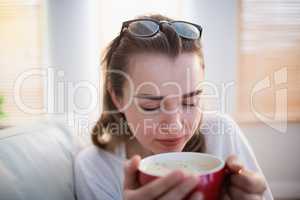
column 36, row 162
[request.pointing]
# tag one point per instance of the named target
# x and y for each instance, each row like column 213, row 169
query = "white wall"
column 219, row 22
column 72, row 59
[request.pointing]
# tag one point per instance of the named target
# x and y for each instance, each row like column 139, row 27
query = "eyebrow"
column 159, row 98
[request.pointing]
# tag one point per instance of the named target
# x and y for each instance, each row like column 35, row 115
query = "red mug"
column 210, row 170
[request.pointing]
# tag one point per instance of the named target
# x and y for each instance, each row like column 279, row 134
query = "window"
column 269, row 60
column 20, row 51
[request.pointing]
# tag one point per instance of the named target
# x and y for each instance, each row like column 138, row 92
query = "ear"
column 116, row 101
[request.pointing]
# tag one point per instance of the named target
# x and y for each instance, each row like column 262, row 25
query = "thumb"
column 130, row 172
column 234, row 165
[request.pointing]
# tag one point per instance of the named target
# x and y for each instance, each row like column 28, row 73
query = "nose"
column 171, row 123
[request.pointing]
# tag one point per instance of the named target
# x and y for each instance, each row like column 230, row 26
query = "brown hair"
column 116, row 57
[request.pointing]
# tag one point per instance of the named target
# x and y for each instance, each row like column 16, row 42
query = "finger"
column 130, row 171
column 249, row 181
column 196, row 196
column 238, row 194
column 225, row 197
column 159, row 186
column 182, row 189
column 233, row 164
column 224, row 193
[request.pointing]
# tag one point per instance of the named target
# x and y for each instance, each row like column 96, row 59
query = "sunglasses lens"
column 143, row 28
column 186, row 30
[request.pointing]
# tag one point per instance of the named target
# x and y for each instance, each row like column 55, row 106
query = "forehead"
column 159, row 73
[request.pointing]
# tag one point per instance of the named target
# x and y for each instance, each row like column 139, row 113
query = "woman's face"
column 161, row 100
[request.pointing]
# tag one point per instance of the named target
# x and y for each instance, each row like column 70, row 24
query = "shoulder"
column 92, row 158
column 223, row 137
column 98, row 172
column 221, row 134
column 218, row 124
column 95, row 154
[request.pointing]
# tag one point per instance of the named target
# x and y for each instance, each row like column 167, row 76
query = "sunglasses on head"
column 150, row 27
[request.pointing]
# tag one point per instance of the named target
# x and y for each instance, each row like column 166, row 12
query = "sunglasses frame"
column 126, row 24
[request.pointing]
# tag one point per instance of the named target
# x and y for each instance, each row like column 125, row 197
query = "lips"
column 170, row 141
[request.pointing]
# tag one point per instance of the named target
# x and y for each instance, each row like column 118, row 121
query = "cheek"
column 192, row 120
column 142, row 127
column 148, row 126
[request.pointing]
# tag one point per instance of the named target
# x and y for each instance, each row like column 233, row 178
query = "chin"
column 167, row 150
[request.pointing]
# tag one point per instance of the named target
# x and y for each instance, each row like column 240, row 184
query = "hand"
column 243, row 184
column 174, row 186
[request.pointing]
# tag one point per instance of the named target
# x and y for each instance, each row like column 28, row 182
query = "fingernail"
column 240, row 171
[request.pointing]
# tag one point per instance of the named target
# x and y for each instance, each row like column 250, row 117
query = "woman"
column 153, row 76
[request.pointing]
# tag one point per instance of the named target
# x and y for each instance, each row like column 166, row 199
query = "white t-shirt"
column 99, row 174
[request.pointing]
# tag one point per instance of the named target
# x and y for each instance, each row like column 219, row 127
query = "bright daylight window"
column 269, row 69
column 20, row 50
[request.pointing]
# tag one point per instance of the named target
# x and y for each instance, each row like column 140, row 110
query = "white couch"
column 36, row 162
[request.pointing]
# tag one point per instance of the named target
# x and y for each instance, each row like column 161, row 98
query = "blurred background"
column 50, row 67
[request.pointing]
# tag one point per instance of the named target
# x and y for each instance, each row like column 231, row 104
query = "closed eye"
column 148, row 109
column 191, row 101
column 189, row 104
